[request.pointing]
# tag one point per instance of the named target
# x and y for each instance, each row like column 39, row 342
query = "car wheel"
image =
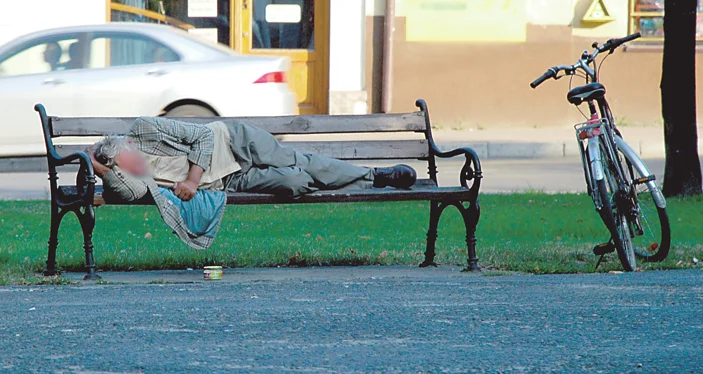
column 190, row 110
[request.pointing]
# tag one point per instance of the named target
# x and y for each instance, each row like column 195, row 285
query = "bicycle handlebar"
column 612, row 44
column 549, row 74
column 552, row 73
column 583, row 63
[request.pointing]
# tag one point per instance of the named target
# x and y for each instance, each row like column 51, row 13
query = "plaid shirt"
column 164, row 137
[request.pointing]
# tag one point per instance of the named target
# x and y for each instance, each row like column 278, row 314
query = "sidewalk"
column 544, row 142
column 491, row 143
column 518, row 142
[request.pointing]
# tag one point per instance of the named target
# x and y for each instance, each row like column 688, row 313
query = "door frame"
column 241, row 39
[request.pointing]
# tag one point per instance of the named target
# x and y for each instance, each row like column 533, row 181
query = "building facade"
column 472, row 60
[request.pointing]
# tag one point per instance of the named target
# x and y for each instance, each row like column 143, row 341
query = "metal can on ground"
column 212, row 272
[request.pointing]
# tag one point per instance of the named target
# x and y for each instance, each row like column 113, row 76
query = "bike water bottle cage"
column 591, row 91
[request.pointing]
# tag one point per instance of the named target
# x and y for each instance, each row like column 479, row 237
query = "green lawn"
column 535, row 233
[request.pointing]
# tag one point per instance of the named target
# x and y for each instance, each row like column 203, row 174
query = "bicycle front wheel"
column 652, row 239
column 649, row 221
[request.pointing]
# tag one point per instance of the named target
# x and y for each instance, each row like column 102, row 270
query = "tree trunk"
column 678, row 91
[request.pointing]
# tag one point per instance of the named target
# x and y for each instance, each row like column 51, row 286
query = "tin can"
column 212, row 272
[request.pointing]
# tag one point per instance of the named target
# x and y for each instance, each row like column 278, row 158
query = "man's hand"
column 185, row 190
column 100, row 169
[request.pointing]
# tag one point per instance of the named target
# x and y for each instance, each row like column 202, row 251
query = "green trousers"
column 269, row 167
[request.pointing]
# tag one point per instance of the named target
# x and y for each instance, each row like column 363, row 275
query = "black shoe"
column 399, row 176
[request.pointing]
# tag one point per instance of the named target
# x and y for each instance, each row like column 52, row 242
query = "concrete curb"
column 537, row 150
column 284, row 274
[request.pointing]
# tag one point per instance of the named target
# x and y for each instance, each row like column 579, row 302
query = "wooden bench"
column 82, row 197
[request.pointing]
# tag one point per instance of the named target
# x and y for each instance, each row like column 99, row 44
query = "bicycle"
column 624, row 191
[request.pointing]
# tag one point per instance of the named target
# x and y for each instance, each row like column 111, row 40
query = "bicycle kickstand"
column 600, row 259
column 603, row 249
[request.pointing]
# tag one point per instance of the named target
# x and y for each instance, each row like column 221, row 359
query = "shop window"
column 208, row 18
column 283, row 24
column 647, row 17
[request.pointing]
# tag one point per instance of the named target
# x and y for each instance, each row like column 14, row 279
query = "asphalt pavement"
column 348, row 320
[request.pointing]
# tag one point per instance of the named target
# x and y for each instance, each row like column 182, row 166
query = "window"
column 40, row 57
column 283, row 24
column 647, row 17
column 123, row 50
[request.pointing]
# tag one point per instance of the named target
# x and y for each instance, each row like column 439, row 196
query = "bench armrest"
column 471, row 171
column 85, row 179
column 82, row 157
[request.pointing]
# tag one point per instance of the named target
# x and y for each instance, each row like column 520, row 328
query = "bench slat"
column 424, row 190
column 309, row 124
column 343, row 150
column 358, row 196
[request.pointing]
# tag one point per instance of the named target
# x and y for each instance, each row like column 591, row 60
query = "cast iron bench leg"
column 86, row 217
column 435, row 213
column 53, row 240
column 87, row 220
column 471, row 216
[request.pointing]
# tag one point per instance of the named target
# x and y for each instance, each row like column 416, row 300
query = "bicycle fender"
column 642, row 169
column 594, row 157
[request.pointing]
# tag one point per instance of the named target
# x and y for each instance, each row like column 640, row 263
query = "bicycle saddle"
column 591, row 91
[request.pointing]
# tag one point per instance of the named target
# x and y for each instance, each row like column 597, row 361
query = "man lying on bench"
column 186, row 168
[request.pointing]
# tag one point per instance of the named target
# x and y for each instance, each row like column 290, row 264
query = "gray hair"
column 107, row 149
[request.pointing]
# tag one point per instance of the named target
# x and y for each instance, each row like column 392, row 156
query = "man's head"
column 117, row 150
column 52, row 53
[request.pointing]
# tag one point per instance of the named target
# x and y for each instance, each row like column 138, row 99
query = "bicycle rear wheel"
column 609, row 192
column 616, row 222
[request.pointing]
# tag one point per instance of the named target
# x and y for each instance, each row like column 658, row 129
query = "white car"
column 129, row 70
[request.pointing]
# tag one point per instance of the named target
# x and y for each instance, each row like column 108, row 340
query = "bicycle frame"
column 607, row 140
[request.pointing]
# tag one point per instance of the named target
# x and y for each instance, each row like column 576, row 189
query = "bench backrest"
column 372, row 140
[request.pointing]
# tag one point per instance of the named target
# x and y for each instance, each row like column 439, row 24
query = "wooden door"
column 297, row 29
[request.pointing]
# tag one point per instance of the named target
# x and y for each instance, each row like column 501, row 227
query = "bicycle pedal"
column 644, row 180
column 602, row 249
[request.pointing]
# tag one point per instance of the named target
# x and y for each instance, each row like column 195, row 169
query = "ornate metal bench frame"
column 81, row 199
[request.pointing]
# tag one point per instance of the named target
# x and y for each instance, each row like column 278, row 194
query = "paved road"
column 549, row 175
column 392, row 319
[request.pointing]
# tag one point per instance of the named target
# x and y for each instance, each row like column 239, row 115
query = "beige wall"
column 479, row 84
column 24, row 16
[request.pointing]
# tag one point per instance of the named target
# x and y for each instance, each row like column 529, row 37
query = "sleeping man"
column 186, row 169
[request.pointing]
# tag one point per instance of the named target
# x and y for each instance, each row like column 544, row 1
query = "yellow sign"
column 465, row 20
column 597, row 13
